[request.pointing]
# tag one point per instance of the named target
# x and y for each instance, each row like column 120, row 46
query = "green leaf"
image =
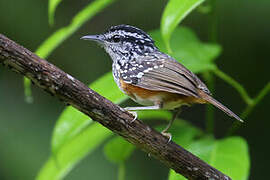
column 229, row 155
column 52, row 42
column 155, row 114
column 51, row 10
column 63, row 33
column 71, row 122
column 69, row 141
column 174, row 12
column 117, row 150
column 72, row 152
column 189, row 50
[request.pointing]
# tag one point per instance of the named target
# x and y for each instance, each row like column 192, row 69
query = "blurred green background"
column 25, row 129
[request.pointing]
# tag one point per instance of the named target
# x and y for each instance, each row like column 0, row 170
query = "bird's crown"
column 129, row 34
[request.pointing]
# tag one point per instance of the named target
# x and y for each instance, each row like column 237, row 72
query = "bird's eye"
column 116, row 38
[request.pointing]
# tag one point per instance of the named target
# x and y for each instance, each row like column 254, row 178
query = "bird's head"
column 124, row 41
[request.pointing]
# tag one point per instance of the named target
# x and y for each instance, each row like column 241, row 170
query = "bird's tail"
column 213, row 101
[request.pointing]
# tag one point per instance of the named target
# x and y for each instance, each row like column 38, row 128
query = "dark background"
column 25, row 129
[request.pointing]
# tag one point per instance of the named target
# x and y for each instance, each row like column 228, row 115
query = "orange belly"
column 149, row 97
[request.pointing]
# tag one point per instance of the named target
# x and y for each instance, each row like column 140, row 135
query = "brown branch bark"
column 68, row 89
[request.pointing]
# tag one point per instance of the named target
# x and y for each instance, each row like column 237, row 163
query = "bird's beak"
column 98, row 38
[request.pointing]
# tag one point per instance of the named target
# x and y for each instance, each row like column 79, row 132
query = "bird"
column 150, row 77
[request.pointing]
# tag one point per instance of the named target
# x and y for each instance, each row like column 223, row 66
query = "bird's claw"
column 135, row 115
column 168, row 135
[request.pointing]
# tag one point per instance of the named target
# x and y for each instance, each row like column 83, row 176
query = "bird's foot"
column 168, row 135
column 134, row 113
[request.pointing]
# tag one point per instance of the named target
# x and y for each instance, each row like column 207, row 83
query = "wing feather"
column 170, row 77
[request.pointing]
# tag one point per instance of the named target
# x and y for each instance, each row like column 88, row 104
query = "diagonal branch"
column 68, row 89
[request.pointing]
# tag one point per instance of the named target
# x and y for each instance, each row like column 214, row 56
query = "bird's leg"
column 133, row 110
column 164, row 131
column 142, row 108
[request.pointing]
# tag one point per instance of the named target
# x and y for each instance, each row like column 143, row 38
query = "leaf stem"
column 250, row 108
column 27, row 91
column 256, row 100
column 234, row 84
column 121, row 171
column 210, row 122
column 251, row 102
column 213, row 22
column 207, row 75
